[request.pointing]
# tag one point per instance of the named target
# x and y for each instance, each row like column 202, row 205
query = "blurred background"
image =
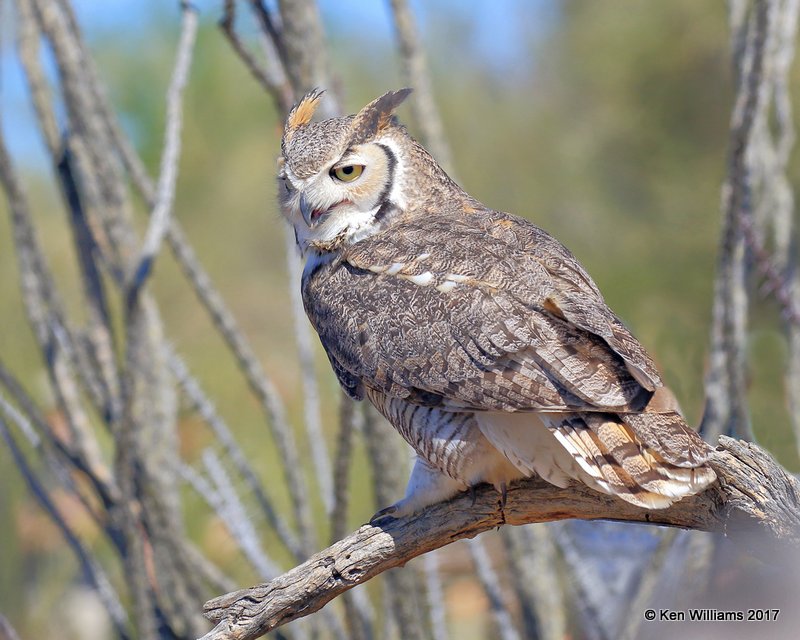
column 604, row 123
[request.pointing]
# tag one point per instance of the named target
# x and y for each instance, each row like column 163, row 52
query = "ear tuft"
column 302, row 112
column 376, row 116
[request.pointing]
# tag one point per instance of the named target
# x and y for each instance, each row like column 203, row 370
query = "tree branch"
column 168, row 175
column 414, row 68
column 753, row 495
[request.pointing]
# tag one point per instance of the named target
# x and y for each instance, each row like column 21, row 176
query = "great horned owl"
column 475, row 333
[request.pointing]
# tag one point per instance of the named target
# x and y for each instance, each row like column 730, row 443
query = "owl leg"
column 426, row 486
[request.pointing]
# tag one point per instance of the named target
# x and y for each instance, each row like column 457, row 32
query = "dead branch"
column 165, row 195
column 534, row 575
column 415, row 72
column 726, row 397
column 753, row 495
column 93, row 572
column 7, row 632
column 487, row 576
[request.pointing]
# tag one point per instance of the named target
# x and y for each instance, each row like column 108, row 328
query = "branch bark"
column 754, row 499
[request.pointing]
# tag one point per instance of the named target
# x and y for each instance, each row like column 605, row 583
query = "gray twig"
column 206, row 409
column 257, row 379
column 415, row 73
column 311, row 400
column 532, row 565
column 228, row 25
column 348, row 414
column 168, row 173
column 233, row 514
column 647, row 585
column 435, row 593
column 7, row 632
column 726, row 392
column 491, row 586
column 387, row 456
column 271, row 77
column 302, row 50
column 359, row 613
column 46, row 318
column 21, row 421
column 92, row 570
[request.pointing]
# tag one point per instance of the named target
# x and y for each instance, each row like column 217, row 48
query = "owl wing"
column 486, row 312
column 577, row 298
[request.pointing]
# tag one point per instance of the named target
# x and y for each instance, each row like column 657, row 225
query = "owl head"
column 339, row 180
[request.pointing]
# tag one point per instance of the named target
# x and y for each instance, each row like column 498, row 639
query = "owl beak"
column 307, row 212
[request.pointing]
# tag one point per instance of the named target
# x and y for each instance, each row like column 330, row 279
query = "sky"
column 498, row 32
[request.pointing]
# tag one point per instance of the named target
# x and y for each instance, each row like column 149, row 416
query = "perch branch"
column 753, row 495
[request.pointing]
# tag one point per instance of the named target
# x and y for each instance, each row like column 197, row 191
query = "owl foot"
column 426, row 486
column 384, row 514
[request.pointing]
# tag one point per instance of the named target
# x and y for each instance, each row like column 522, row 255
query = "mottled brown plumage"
column 477, row 334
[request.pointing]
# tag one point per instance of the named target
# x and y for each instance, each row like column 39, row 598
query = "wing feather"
column 489, row 314
column 493, row 338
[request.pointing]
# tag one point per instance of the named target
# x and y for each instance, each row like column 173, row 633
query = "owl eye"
column 348, row 172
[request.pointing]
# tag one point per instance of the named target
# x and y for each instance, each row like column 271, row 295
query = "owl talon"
column 503, row 495
column 383, row 514
column 473, row 493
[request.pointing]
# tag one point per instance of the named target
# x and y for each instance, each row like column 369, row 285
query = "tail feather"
column 605, row 451
column 615, row 460
column 583, row 454
column 668, row 435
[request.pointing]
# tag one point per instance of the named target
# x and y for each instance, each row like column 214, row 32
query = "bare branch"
column 726, row 391
column 348, row 414
column 359, row 614
column 415, row 74
column 233, row 514
column 46, row 318
column 435, row 593
column 491, row 586
column 532, row 564
column 7, row 632
column 102, row 183
column 303, row 41
column 648, row 584
column 28, row 40
column 95, row 354
column 754, row 495
column 308, row 375
column 21, row 421
column 272, row 76
column 168, row 174
column 263, row 388
column 205, row 407
column 274, row 50
column 57, row 452
column 228, row 25
column 92, row 570
column 388, row 457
